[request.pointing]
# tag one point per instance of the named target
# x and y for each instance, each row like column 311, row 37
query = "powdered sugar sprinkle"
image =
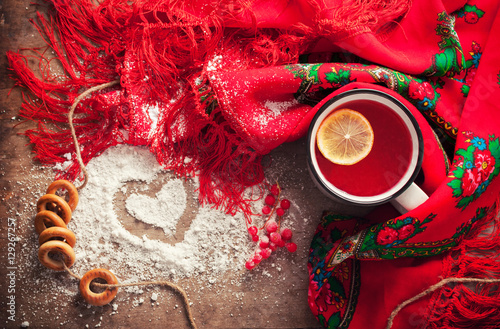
column 104, row 241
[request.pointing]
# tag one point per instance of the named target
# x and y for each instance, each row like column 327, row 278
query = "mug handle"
column 410, row 199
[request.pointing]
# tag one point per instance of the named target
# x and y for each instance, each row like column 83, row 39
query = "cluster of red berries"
column 274, row 237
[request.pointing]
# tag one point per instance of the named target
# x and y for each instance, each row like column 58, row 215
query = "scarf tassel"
column 471, row 305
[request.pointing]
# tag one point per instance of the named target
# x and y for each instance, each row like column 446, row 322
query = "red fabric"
column 212, row 87
column 115, row 40
column 342, row 245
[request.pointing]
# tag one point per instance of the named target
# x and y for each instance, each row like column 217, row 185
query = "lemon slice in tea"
column 345, row 137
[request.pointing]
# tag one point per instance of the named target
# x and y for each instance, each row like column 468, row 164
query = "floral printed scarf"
column 212, row 87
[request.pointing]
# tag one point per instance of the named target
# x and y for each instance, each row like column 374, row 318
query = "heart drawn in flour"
column 164, row 210
column 161, row 209
column 151, row 221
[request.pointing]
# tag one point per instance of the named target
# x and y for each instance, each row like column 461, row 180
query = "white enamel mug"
column 404, row 195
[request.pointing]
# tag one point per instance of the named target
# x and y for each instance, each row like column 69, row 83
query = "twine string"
column 72, row 127
column 168, row 284
column 431, row 289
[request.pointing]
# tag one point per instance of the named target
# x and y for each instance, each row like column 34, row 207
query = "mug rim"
column 350, row 198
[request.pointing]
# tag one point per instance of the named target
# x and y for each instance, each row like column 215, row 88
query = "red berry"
column 292, row 247
column 271, row 226
column 266, row 210
column 281, row 243
column 253, row 230
column 249, row 265
column 255, row 238
column 275, row 189
column 264, row 242
column 286, row 234
column 256, row 258
column 275, row 237
column 280, row 212
column 285, row 204
column 266, row 253
column 270, row 200
column 273, row 246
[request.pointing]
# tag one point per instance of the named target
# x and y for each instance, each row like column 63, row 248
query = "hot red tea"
column 388, row 160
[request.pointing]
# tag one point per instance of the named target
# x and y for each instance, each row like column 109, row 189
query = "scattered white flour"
column 273, row 110
column 214, row 63
column 277, row 108
column 63, row 166
column 214, row 243
column 153, row 114
column 154, row 297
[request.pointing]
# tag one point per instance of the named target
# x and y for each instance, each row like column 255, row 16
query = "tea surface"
column 387, row 162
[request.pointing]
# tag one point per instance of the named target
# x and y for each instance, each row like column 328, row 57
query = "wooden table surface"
column 272, row 296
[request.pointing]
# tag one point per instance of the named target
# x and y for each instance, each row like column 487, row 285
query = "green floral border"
column 475, row 166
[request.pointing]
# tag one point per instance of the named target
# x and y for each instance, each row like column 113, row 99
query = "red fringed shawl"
column 211, row 87
column 167, row 55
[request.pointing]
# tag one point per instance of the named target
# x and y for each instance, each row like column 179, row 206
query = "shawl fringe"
column 162, row 51
column 471, row 305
